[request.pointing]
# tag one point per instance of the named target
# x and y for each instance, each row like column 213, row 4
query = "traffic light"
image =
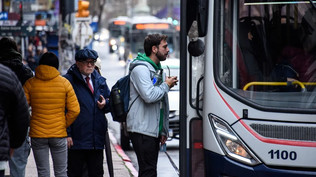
column 83, row 9
column 21, row 11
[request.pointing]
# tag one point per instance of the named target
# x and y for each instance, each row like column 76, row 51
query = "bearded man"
column 148, row 118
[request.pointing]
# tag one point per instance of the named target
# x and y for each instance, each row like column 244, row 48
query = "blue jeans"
column 18, row 161
column 58, row 149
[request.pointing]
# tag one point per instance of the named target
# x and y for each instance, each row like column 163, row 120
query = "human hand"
column 290, row 79
column 101, row 102
column 69, row 142
column 171, row 81
column 163, row 140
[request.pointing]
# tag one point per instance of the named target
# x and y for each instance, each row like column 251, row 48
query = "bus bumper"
column 222, row 166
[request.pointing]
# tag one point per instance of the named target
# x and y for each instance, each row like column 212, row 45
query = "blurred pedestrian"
column 86, row 136
column 32, row 61
column 54, row 108
column 148, row 119
column 97, row 66
column 14, row 115
column 10, row 57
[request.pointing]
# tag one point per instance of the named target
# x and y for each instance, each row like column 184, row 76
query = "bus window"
column 115, row 33
column 268, row 49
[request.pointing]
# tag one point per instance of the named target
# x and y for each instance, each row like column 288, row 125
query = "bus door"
column 191, row 92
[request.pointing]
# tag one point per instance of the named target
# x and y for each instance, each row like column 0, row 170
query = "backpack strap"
column 130, row 70
column 136, row 64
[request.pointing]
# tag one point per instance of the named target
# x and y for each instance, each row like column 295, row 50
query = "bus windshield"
column 116, row 32
column 138, row 36
column 118, row 26
column 268, row 53
column 141, row 26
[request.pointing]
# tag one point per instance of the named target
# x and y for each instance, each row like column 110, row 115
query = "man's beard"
column 160, row 56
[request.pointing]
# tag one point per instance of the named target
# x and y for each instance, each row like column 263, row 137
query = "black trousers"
column 92, row 158
column 147, row 150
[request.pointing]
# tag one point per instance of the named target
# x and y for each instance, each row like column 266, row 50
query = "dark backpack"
column 119, row 97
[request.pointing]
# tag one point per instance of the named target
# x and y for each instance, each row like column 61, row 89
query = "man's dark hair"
column 7, row 43
column 153, row 40
column 50, row 59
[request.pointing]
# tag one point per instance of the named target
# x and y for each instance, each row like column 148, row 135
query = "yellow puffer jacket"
column 49, row 94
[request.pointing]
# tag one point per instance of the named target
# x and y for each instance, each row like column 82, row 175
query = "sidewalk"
column 121, row 163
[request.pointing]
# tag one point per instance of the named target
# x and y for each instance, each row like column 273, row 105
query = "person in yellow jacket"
column 54, row 108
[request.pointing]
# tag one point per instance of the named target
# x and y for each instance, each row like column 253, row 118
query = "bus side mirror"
column 197, row 10
column 196, row 48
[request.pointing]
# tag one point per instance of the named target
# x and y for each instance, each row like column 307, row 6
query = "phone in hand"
column 163, row 148
column 100, row 99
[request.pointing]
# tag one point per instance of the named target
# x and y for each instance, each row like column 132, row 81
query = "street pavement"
column 121, row 163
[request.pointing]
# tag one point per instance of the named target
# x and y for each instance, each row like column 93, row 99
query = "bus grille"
column 286, row 132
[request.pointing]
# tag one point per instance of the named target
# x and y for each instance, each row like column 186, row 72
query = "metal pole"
column 81, row 36
column 66, row 45
column 183, row 159
column 22, row 47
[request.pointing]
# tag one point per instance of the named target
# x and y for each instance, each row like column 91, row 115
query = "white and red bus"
column 247, row 91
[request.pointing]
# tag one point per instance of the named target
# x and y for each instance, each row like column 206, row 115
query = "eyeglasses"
column 88, row 62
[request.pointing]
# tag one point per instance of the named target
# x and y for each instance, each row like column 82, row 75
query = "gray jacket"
column 144, row 114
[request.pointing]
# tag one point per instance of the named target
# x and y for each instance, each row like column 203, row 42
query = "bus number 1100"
column 283, row 154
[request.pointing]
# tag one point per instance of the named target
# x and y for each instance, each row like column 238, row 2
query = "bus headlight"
column 112, row 41
column 122, row 39
column 121, row 50
column 96, row 37
column 114, row 47
column 231, row 144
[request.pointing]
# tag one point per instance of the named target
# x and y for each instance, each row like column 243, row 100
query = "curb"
column 125, row 158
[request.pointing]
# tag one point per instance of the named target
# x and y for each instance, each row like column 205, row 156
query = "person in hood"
column 10, row 57
column 14, row 115
column 86, row 136
column 148, row 119
column 54, row 108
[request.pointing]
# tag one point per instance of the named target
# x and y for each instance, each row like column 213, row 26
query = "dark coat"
column 23, row 72
column 14, row 113
column 88, row 130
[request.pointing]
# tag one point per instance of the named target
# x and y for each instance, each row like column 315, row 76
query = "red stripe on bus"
column 231, row 109
column 263, row 139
